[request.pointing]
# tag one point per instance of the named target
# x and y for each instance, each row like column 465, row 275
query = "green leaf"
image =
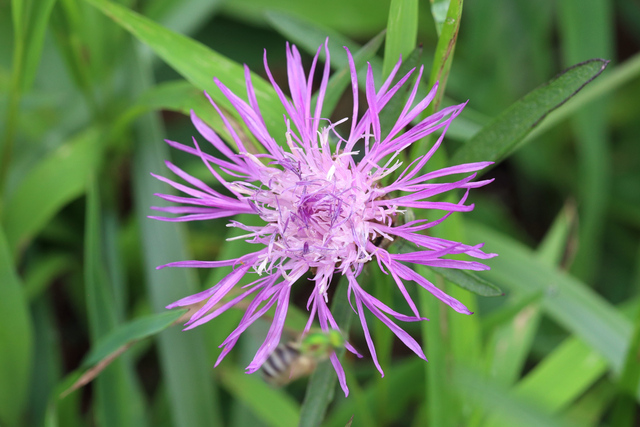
column 59, row 178
column 118, row 396
column 562, row 375
column 402, row 31
column 40, row 13
column 568, row 301
column 438, row 392
column 130, row 332
column 197, row 63
column 179, row 96
column 185, row 367
column 469, row 281
column 586, row 30
column 496, row 140
column 443, row 57
column 498, row 401
column 15, row 340
column 275, row 407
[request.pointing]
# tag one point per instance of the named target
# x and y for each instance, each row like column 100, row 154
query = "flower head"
column 324, row 203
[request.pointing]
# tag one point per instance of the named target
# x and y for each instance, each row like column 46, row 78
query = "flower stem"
column 322, row 384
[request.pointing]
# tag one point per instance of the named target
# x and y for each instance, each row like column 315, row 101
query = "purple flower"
column 324, row 201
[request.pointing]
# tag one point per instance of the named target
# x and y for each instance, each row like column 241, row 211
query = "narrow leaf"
column 567, row 300
column 15, row 340
column 118, row 396
column 186, row 370
column 402, row 31
column 496, row 140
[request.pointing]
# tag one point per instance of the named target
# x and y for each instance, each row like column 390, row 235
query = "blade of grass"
column 118, row 397
column 567, row 300
column 192, row 396
column 39, row 19
column 443, row 57
column 402, row 31
column 500, row 402
column 440, row 68
column 625, row 406
column 586, row 31
column 562, row 376
column 16, row 340
column 437, row 391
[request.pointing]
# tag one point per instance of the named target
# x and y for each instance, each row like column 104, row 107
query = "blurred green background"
column 88, row 92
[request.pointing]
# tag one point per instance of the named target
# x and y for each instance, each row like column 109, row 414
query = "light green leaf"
column 443, row 57
column 39, row 19
column 184, row 364
column 118, row 396
column 15, row 340
column 496, row 140
column 568, row 301
column 59, row 178
column 562, row 375
column 506, row 407
column 402, row 31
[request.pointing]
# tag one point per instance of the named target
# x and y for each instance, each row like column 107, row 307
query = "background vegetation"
column 88, row 91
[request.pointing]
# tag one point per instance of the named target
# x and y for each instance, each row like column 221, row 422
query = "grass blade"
column 15, row 340
column 118, row 397
column 184, row 364
column 402, row 31
column 567, row 300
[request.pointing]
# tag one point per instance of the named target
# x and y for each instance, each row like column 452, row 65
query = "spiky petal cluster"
column 323, row 205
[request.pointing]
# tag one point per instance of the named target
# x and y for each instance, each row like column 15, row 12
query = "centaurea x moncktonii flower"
column 322, row 208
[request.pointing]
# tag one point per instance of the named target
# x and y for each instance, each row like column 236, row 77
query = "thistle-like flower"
column 325, row 205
